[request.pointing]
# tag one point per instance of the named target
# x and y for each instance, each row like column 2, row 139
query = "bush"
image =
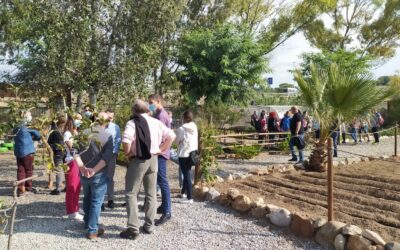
column 284, row 145
column 209, row 150
column 247, row 152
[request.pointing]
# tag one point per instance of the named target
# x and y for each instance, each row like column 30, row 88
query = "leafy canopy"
column 350, row 62
column 220, row 64
column 364, row 26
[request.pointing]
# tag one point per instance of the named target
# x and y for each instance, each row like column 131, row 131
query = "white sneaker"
column 81, row 211
column 182, row 196
column 187, row 201
column 75, row 216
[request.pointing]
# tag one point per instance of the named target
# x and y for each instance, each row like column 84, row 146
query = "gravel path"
column 230, row 166
column 41, row 224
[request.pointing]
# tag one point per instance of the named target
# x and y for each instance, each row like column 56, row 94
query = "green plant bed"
column 3, row 149
column 9, row 145
column 246, row 152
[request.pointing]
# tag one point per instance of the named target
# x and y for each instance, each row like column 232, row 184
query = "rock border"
column 335, row 234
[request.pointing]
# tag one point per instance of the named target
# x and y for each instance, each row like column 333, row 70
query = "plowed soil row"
column 367, row 194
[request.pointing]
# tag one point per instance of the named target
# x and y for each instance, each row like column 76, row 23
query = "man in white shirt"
column 143, row 140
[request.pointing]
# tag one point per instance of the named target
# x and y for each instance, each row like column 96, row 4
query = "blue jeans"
column 94, row 190
column 185, row 166
column 162, row 181
column 353, row 132
column 175, row 159
column 291, row 146
column 334, row 136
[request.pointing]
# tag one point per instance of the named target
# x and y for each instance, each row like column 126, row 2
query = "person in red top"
column 273, row 124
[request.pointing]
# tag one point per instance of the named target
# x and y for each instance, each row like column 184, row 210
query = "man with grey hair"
column 143, row 139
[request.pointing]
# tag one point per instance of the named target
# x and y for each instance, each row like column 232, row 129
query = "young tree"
column 349, row 61
column 332, row 94
column 220, row 64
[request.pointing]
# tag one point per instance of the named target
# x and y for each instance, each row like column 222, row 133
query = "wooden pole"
column 197, row 168
column 331, row 215
column 395, row 139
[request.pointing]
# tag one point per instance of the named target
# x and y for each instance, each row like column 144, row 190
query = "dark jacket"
column 56, row 142
column 143, row 141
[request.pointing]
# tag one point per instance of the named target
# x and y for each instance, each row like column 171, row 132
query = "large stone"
column 302, row 225
column 356, row 159
column 200, row 192
column 259, row 212
column 365, row 159
column 225, row 200
column 351, row 230
column 327, row 233
column 259, row 172
column 259, row 202
column 219, row 178
column 392, row 246
column 280, row 217
column 212, row 194
column 242, row 204
column 239, row 176
column 340, row 242
column 271, row 208
column 373, row 236
column 233, row 193
column 356, row 242
column 318, row 223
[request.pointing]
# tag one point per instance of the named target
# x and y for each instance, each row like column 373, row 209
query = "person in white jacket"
column 187, row 140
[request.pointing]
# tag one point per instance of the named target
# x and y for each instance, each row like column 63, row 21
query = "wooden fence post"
column 197, row 168
column 395, row 139
column 331, row 215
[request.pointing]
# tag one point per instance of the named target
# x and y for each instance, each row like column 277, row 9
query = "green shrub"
column 284, row 145
column 247, row 152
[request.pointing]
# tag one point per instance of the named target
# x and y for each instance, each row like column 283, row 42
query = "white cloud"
column 287, row 57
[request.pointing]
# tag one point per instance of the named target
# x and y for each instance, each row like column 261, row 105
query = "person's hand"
column 83, row 170
column 90, row 172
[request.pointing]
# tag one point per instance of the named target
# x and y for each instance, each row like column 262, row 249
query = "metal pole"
column 331, row 215
column 395, row 139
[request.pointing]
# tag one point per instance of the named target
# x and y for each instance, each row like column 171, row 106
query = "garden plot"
column 366, row 194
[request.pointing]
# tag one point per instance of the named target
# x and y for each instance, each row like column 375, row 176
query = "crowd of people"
column 146, row 143
column 296, row 123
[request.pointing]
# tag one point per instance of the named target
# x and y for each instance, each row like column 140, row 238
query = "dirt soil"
column 365, row 194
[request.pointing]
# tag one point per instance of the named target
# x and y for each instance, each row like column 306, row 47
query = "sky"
column 287, row 57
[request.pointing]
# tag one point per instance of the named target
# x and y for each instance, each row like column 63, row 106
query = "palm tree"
column 332, row 95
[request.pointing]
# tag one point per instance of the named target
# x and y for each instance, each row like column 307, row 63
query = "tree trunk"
column 69, row 98
column 318, row 157
column 92, row 97
column 78, row 102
